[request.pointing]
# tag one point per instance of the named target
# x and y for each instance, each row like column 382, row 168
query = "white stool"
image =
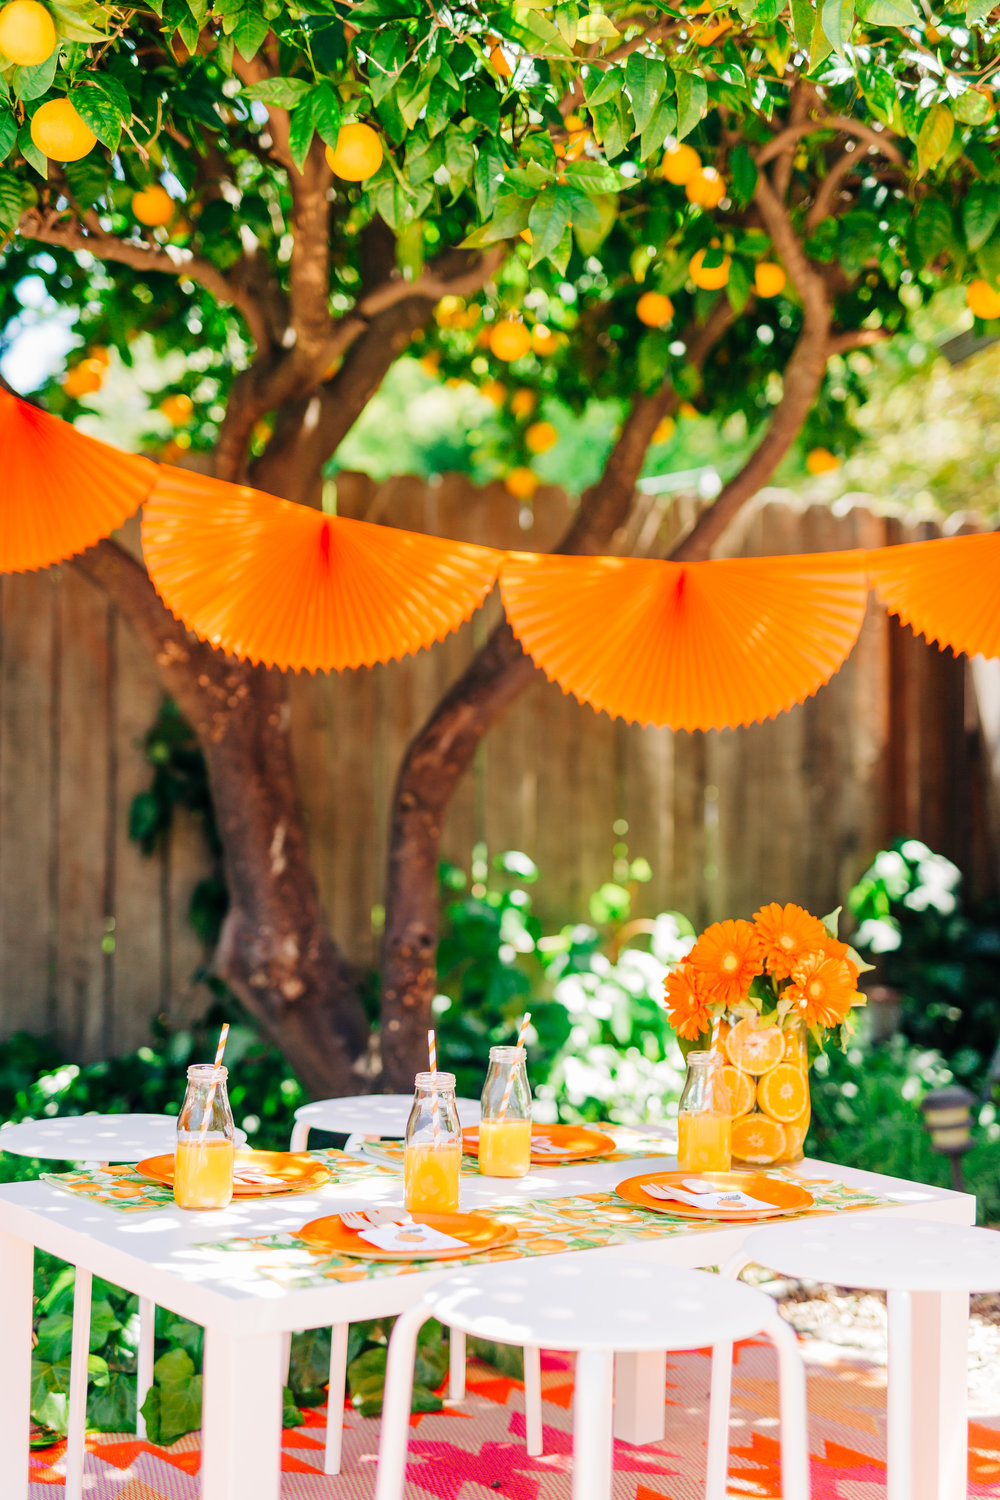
column 367, row 1117
column 598, row 1306
column 900, row 1257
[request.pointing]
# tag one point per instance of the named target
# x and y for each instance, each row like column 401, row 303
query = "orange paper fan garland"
column 282, row 584
column 948, row 589
column 61, row 491
column 705, row 645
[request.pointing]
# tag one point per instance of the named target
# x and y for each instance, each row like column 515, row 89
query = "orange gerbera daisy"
column 728, row 956
column 687, row 1003
column 822, row 989
column 787, row 933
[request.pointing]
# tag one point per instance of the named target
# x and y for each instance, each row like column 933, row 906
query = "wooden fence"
column 94, row 940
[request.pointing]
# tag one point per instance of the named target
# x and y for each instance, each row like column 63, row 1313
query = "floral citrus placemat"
column 123, row 1188
column 629, row 1143
column 545, row 1226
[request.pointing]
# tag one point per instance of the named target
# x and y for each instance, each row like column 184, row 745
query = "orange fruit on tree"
column 664, row 430
column 758, row 1140
column 575, row 122
column 153, row 206
column 527, row 236
column 654, row 309
column 84, row 379
column 494, row 390
column 100, row 355
column 521, row 483
column 680, row 163
column 543, row 340
column 357, row 154
column 754, row 1049
column 709, row 278
column 509, row 339
column 706, row 188
column 59, row 131
column 27, row 33
column 781, row 1092
column 177, row 408
column 821, row 461
column 769, row 278
column 540, row 437
column 983, row 299
column 500, row 63
column 577, row 144
column 523, row 402
column 688, row 410
column 741, row 1091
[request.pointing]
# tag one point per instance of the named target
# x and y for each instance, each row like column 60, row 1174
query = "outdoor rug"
column 475, row 1451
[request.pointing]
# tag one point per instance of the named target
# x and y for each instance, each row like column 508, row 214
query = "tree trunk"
column 275, row 950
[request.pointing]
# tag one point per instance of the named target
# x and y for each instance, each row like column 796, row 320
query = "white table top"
column 111, row 1138
column 154, row 1253
column 372, row 1114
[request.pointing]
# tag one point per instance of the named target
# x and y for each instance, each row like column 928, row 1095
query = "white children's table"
column 247, row 1317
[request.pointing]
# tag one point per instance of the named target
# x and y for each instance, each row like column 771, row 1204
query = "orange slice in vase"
column 741, row 1091
column 781, row 1093
column 758, row 1140
column 754, row 1049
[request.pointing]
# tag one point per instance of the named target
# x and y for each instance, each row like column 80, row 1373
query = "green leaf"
column 888, row 12
column 972, row 107
column 610, row 126
column 32, row 83
column 803, row 21
column 645, row 78
column 738, row 285
column 601, row 88
column 487, row 177
column 591, row 240
column 173, row 1406
column 104, row 105
column 11, row 207
column 596, row 27
column 934, row 137
column 247, row 24
column 980, row 213
column 742, row 175
column 510, row 216
column 8, row 132
column 662, row 123
column 87, row 178
column 283, row 93
column 692, row 102
column 977, row 10
column 71, row 23
column 548, row 219
column 594, row 177
column 933, row 230
column 838, row 23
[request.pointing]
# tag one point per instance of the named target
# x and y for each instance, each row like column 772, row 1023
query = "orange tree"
column 712, row 203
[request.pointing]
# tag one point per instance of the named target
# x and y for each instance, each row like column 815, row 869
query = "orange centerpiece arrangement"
column 765, row 995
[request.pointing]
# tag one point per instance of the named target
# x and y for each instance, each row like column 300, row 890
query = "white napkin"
column 731, row 1198
column 413, row 1237
column 254, row 1177
column 542, row 1146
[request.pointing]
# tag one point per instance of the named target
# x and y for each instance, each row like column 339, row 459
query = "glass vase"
column 766, row 1069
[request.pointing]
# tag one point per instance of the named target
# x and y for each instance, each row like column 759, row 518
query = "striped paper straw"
column 220, row 1049
column 513, row 1067
column 435, row 1105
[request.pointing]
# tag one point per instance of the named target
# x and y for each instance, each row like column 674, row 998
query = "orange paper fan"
column 60, row 491
column 703, row 645
column 947, row 589
column 289, row 586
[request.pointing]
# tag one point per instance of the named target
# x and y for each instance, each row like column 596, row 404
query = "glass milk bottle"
column 433, row 1146
column 505, row 1128
column 704, row 1123
column 203, row 1167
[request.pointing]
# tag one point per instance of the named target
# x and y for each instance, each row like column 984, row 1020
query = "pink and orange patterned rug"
column 475, row 1451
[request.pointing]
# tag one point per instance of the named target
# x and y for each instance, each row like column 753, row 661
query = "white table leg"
column 339, row 1335
column 390, row 1471
column 533, row 1429
column 592, row 1442
column 76, row 1420
column 456, row 1364
column 145, row 1360
column 719, row 1403
column 640, row 1397
column 939, row 1446
column 241, row 1417
column 16, row 1265
column 300, row 1136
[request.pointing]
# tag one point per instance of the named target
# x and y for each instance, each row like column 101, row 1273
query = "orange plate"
column 478, row 1232
column 298, row 1172
column 574, row 1143
column 787, row 1197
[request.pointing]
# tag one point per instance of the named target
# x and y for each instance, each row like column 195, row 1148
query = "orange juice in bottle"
column 505, row 1127
column 704, row 1122
column 433, row 1155
column 206, row 1141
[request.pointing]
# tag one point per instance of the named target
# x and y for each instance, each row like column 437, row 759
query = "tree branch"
column 790, row 136
column 859, row 338
column 51, row 227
